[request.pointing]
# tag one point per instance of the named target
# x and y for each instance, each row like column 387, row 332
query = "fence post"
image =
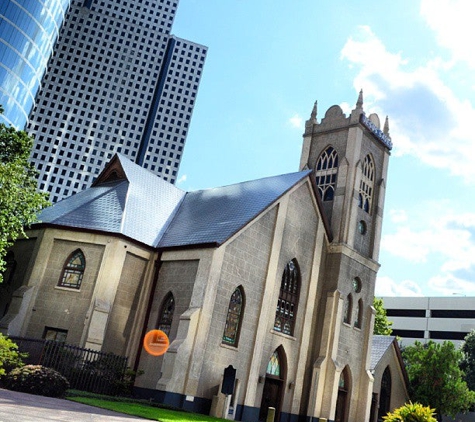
column 270, row 414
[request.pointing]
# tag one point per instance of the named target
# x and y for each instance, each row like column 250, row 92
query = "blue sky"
column 268, row 61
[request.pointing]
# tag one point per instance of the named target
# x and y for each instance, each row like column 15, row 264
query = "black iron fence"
column 85, row 369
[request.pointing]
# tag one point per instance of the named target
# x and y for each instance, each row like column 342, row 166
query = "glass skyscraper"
column 118, row 81
column 28, row 30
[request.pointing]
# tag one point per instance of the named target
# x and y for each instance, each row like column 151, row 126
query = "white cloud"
column 448, row 285
column 182, row 179
column 427, row 119
column 296, row 121
column 398, row 216
column 452, row 22
column 446, row 241
column 346, row 107
column 385, row 286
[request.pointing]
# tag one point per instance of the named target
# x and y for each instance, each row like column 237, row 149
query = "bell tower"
column 349, row 156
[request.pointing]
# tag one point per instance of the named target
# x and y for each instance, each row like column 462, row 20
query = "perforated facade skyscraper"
column 28, row 30
column 117, row 82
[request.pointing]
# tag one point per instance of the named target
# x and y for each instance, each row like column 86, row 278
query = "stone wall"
column 177, row 277
column 122, row 318
column 65, row 308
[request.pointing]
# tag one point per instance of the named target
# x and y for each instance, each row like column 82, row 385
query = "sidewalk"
column 21, row 407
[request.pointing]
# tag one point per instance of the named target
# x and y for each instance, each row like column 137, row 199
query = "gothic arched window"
column 348, row 309
column 385, row 394
column 288, row 299
column 233, row 319
column 365, row 196
column 359, row 314
column 165, row 316
column 325, row 173
column 73, row 270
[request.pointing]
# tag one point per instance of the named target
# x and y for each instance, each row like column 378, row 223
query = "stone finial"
column 359, row 103
column 312, row 121
column 313, row 115
column 386, row 126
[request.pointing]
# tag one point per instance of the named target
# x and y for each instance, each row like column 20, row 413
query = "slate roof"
column 380, row 345
column 144, row 207
column 213, row 215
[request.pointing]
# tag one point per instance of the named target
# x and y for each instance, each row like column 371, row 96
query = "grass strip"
column 144, row 411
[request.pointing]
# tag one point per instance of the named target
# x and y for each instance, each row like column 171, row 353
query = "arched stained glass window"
column 365, row 196
column 273, row 367
column 233, row 318
column 326, row 172
column 73, row 270
column 348, row 309
column 165, row 316
column 286, row 311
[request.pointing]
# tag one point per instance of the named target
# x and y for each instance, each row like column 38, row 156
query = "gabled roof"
column 214, row 215
column 380, row 345
column 129, row 200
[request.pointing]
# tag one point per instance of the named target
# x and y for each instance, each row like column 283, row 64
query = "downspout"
column 158, row 265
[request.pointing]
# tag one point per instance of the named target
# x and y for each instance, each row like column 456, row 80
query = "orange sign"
column 156, row 342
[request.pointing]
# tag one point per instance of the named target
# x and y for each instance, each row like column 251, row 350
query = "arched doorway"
column 273, row 392
column 341, row 412
column 385, row 394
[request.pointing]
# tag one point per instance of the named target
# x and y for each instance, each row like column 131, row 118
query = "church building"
column 274, row 277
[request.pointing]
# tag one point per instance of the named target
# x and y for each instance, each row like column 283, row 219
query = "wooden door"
column 340, row 414
column 271, row 397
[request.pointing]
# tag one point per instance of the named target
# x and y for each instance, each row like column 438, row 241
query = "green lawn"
column 145, row 411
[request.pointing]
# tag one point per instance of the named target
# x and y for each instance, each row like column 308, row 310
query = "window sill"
column 283, row 335
column 67, row 289
column 229, row 347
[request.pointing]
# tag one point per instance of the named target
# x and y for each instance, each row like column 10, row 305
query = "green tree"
column 382, row 325
column 435, row 378
column 468, row 361
column 19, row 199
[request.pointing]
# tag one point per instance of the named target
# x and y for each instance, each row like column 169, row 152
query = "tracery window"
column 326, row 172
column 165, row 316
column 233, row 319
column 288, row 299
column 365, row 196
column 348, row 309
column 73, row 270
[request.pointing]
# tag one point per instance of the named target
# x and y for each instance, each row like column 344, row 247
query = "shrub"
column 37, row 379
column 411, row 412
column 9, row 356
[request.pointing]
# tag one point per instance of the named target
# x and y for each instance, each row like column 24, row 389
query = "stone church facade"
column 274, row 276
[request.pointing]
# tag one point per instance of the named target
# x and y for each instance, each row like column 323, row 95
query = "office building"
column 117, row 82
column 431, row 318
column 28, row 30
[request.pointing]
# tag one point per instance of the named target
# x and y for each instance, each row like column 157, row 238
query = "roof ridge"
column 304, row 173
